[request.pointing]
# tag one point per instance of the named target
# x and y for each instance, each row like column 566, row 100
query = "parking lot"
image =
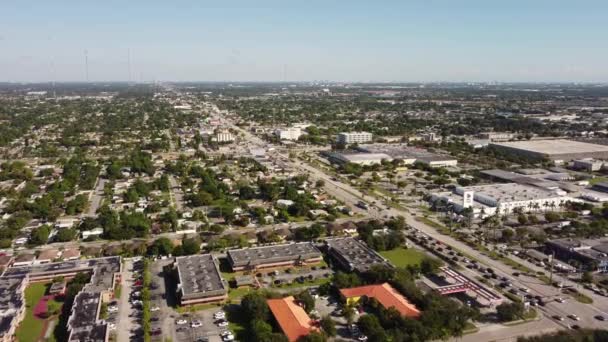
column 199, row 326
column 184, row 327
column 126, row 314
column 290, row 275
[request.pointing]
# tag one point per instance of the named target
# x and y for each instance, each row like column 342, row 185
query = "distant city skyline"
column 354, row 41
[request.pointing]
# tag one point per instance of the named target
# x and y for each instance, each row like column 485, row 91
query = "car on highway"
column 574, row 317
column 560, row 300
column 557, row 317
column 600, row 317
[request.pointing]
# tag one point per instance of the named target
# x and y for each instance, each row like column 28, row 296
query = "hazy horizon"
column 390, row 41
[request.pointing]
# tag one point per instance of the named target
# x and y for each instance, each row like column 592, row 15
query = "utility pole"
column 86, row 65
column 551, row 268
column 129, row 63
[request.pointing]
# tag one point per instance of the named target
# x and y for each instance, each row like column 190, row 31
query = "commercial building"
column 385, row 294
column 558, row 150
column 354, row 255
column 487, row 200
column 354, row 137
column 591, row 255
column 200, row 280
column 292, row 133
column 496, row 136
column 291, row 318
column 588, row 164
column 303, row 253
column 359, row 158
column 409, row 154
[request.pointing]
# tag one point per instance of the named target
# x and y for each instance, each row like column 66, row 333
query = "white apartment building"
column 354, row 137
column 292, row 133
column 224, row 136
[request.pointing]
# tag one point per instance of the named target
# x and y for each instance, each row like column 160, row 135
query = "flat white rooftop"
column 510, row 192
column 551, row 147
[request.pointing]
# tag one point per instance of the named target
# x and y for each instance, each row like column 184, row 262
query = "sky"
column 392, row 41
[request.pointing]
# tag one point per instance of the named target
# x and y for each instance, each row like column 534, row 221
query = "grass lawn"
column 307, row 283
column 582, row 298
column 599, row 179
column 402, row 257
column 235, row 294
column 31, row 327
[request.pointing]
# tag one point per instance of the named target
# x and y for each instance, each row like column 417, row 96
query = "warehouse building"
column 558, row 150
column 295, row 254
column 359, row 158
column 200, row 280
column 354, row 255
column 409, row 154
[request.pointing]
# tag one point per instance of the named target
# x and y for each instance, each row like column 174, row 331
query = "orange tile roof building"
column 291, row 317
column 386, row 295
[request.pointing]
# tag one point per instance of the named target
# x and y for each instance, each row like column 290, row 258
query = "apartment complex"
column 354, row 137
column 84, row 323
column 292, row 133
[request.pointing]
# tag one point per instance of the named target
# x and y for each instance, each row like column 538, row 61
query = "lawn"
column 307, row 283
column 237, row 294
column 31, row 327
column 402, row 257
column 598, row 179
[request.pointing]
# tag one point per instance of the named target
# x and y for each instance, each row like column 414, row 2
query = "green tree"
column 306, row 300
column 328, row 325
column 66, row 234
column 40, row 235
column 161, row 246
column 254, row 306
column 510, row 311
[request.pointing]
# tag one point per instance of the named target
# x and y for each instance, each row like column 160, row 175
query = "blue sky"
column 451, row 40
